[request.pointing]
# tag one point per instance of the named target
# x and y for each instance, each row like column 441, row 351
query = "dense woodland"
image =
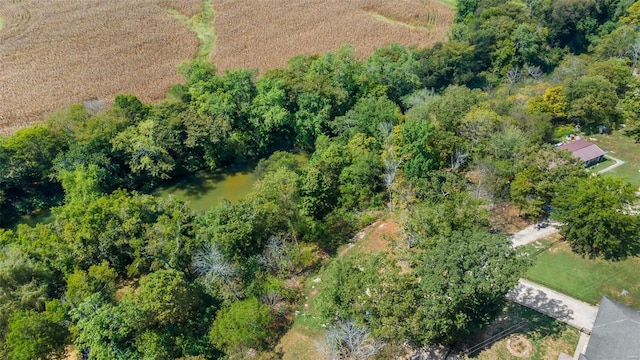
column 432, row 137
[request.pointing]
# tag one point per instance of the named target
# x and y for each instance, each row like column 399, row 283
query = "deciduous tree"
column 597, row 216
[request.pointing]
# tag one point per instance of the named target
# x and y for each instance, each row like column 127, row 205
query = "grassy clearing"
column 202, row 25
column 113, row 47
column 299, row 343
column 547, row 337
column 585, row 279
column 624, row 148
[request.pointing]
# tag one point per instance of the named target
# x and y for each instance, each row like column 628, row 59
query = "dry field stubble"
column 264, row 34
column 58, row 52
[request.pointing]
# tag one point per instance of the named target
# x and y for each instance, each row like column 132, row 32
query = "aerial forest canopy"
column 432, row 137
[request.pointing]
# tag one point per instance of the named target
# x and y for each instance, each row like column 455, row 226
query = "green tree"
column 320, row 183
column 247, row 324
column 24, row 285
column 82, row 184
column 145, row 154
column 630, row 111
column 447, row 63
column 457, row 285
column 366, row 116
column 99, row 279
column 396, row 68
column 34, row 335
column 270, row 116
column 106, row 331
column 597, row 216
column 277, row 160
column 447, row 109
column 164, row 298
column 535, row 186
column 466, row 277
column 418, row 157
column 616, row 71
column 592, row 102
column 26, row 160
column 361, row 182
column 465, row 8
column 133, row 109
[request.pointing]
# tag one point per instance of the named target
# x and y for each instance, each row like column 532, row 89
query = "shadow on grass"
column 515, row 319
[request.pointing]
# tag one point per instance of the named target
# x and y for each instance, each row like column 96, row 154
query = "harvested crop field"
column 58, row 52
column 264, row 34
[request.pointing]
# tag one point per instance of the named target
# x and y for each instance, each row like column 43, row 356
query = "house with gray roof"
column 615, row 334
column 590, row 153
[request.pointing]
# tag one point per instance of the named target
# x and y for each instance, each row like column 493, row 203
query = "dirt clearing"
column 265, row 34
column 60, row 52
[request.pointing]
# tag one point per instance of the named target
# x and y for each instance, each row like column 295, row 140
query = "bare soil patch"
column 374, row 238
column 505, row 217
column 265, row 34
column 60, row 52
column 519, row 346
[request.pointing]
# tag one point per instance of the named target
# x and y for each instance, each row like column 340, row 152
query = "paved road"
column 544, row 300
column 533, row 233
column 552, row 303
column 618, row 163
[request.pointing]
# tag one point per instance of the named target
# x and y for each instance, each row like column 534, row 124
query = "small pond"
column 205, row 189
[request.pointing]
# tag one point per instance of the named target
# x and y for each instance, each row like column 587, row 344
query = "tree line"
column 434, row 136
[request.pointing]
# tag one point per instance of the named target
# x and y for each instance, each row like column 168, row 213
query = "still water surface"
column 205, row 189
column 200, row 190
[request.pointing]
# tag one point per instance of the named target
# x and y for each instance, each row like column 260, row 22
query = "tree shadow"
column 538, row 300
column 197, row 184
column 519, row 317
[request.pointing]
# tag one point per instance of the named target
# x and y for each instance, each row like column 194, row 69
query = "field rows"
column 58, row 52
column 265, row 34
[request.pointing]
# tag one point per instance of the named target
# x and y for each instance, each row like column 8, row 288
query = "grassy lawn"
column 539, row 336
column 603, row 165
column 585, row 279
column 624, row 148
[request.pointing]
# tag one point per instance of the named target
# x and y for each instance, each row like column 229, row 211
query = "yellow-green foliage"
column 552, row 102
column 633, row 14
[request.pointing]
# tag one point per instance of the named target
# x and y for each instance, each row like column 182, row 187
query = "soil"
column 506, row 218
column 519, row 346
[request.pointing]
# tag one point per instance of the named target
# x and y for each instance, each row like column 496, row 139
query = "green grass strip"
column 202, row 25
column 450, row 3
column 586, row 279
column 398, row 23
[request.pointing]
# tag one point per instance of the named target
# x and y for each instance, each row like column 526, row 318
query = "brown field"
column 264, row 34
column 58, row 52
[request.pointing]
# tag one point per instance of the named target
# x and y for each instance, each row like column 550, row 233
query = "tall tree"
column 245, row 325
column 597, row 216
